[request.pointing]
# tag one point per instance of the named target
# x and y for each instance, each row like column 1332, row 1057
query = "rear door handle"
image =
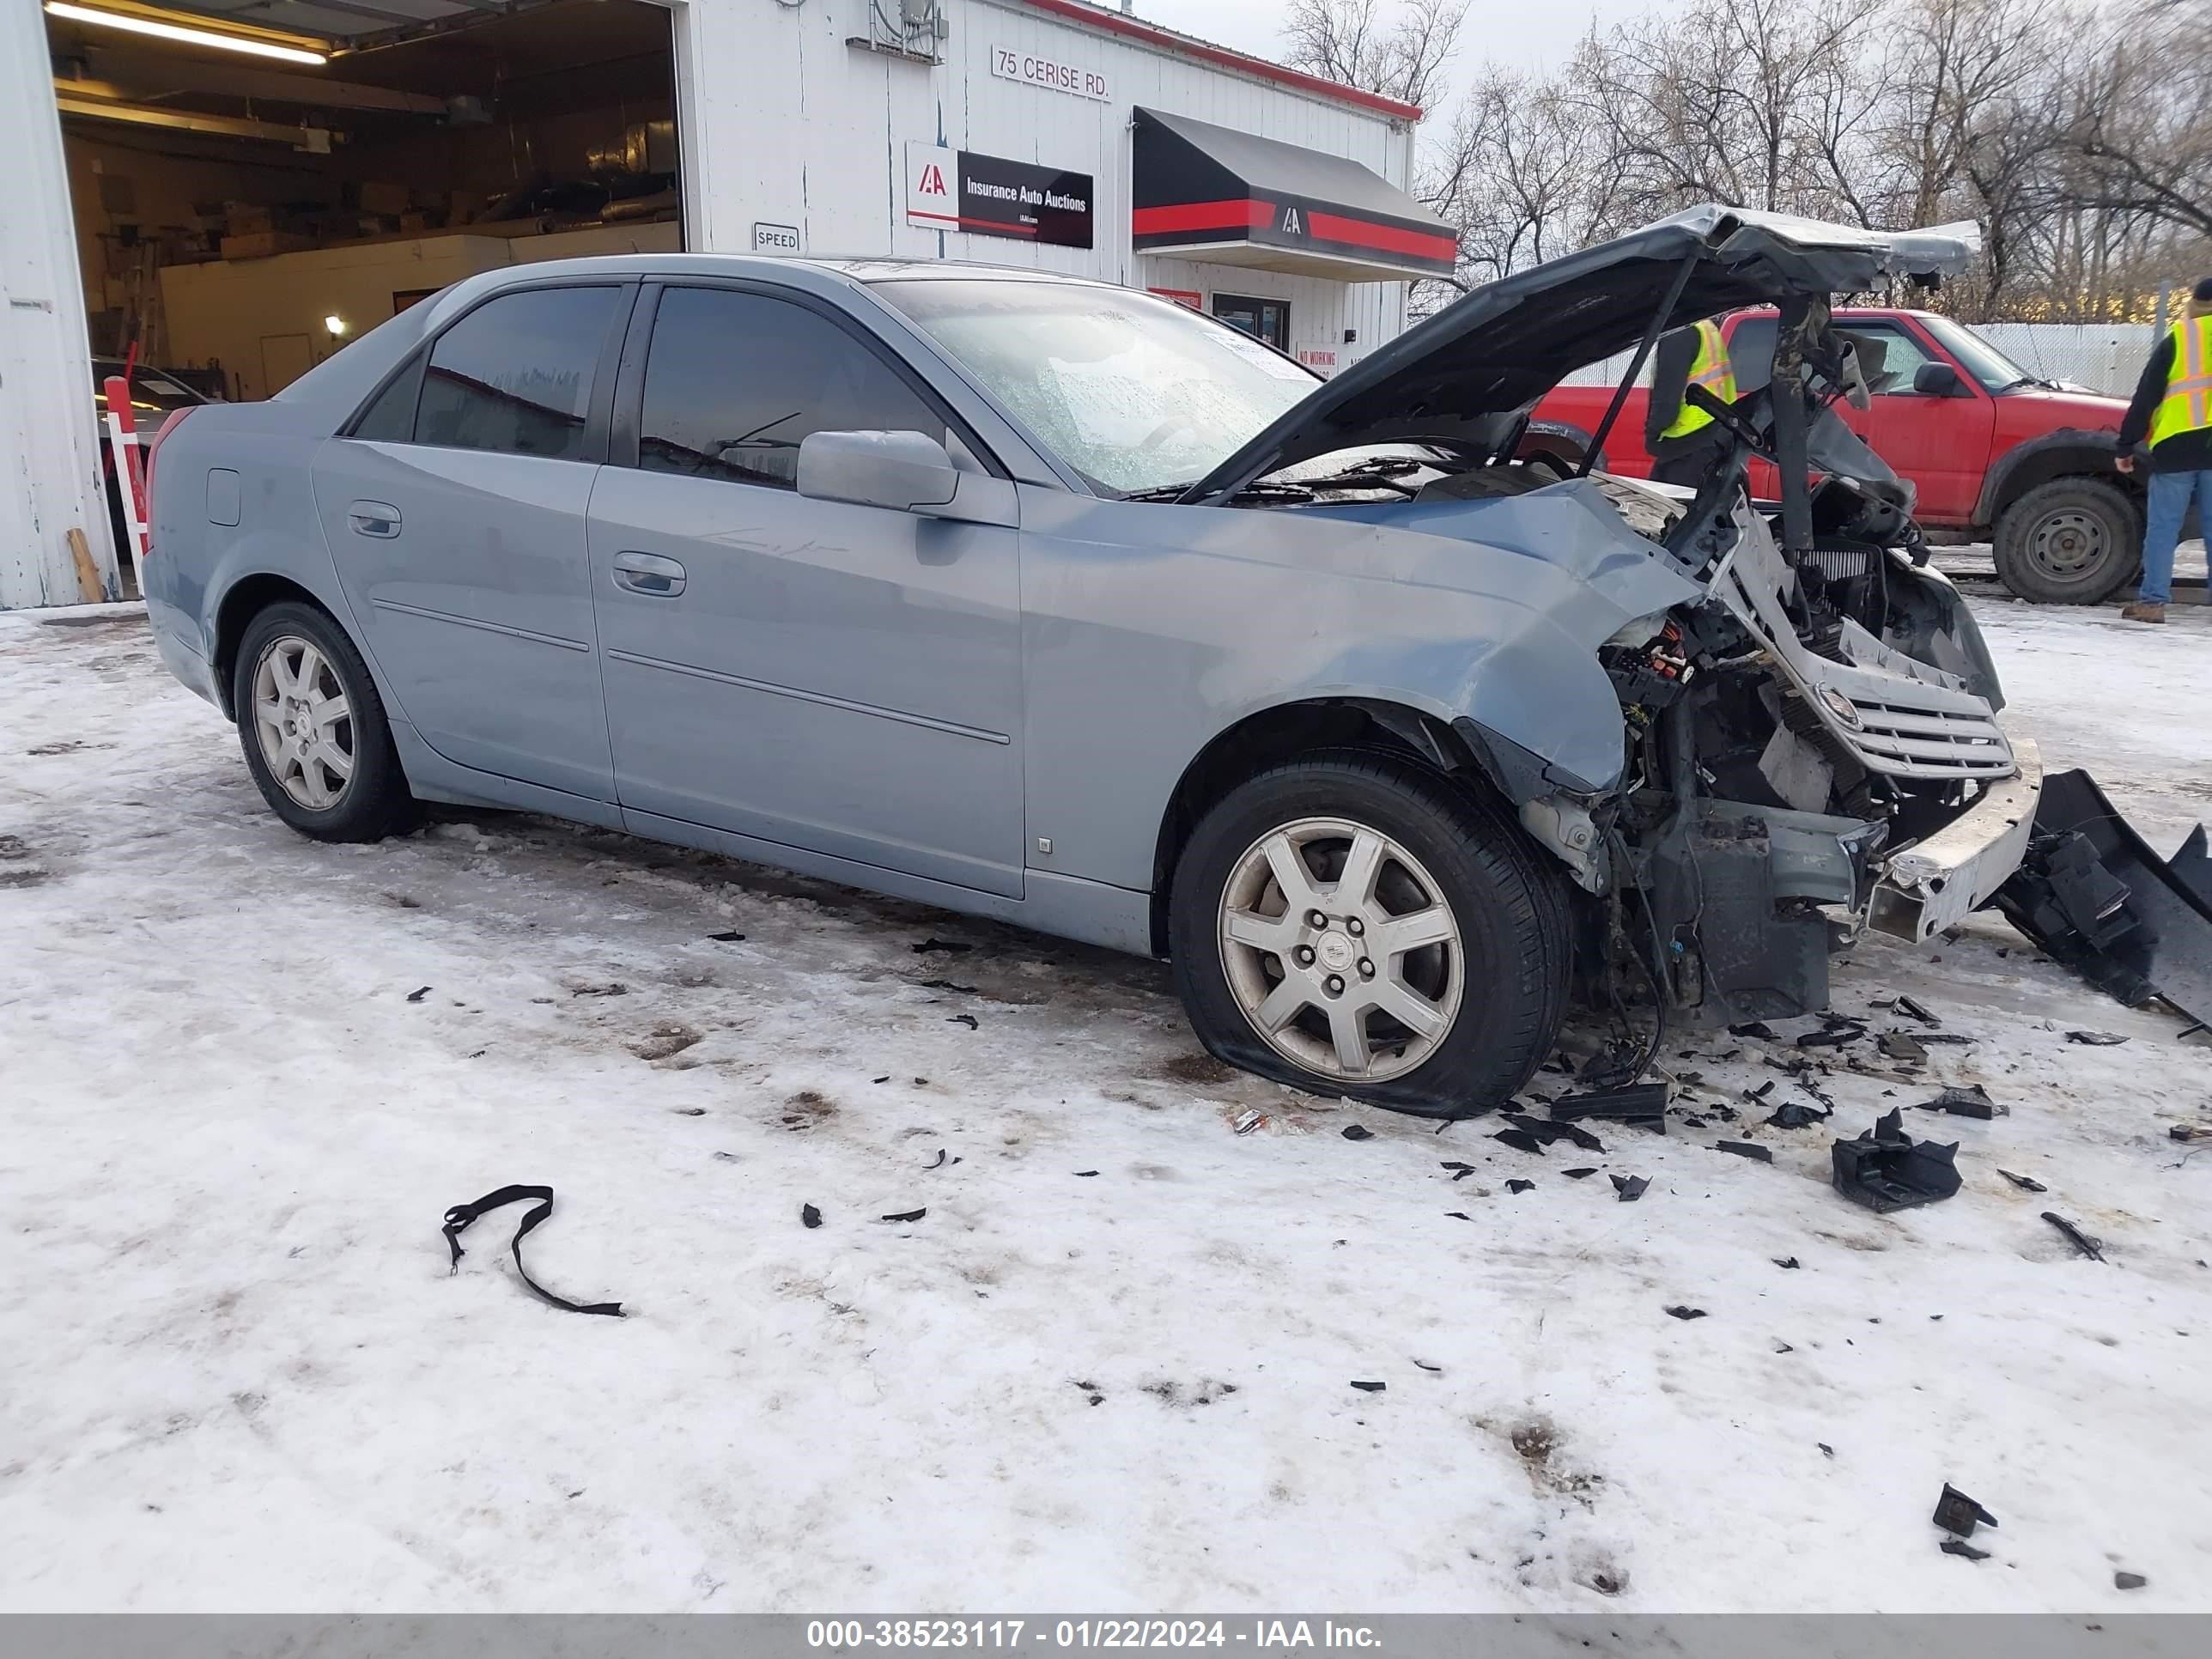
column 649, row 574
column 378, row 519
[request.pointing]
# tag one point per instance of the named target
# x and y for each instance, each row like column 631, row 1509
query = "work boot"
column 2143, row 611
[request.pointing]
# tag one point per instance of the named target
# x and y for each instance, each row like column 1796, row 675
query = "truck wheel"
column 313, row 731
column 1348, row 924
column 2072, row 541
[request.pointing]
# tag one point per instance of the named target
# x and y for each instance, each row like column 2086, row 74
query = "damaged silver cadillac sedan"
column 1055, row 603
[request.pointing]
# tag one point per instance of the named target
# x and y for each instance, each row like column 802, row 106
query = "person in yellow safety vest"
column 2173, row 409
column 1685, row 441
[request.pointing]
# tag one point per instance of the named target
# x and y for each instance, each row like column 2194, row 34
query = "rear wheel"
column 313, row 731
column 2072, row 541
column 1351, row 925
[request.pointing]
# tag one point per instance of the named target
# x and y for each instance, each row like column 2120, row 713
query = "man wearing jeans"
column 2173, row 408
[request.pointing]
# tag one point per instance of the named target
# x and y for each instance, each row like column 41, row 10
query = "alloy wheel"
column 1341, row 950
column 304, row 722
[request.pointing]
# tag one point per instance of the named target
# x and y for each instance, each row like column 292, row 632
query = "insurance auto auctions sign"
column 992, row 196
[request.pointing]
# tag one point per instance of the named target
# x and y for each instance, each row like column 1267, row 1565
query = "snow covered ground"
column 1111, row 1368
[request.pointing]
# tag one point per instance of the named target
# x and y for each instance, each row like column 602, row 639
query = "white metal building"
column 235, row 208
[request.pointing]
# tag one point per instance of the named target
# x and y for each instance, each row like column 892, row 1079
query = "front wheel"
column 1351, row 925
column 2072, row 541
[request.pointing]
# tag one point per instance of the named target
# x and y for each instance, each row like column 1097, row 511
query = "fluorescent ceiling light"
column 190, row 37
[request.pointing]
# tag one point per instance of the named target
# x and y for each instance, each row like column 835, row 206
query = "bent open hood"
column 1465, row 374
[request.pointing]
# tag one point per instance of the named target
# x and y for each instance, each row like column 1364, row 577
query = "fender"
column 2068, row 452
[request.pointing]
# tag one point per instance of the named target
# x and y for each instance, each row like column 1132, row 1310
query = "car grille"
column 1896, row 715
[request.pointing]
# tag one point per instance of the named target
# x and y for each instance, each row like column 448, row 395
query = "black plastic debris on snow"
column 1517, row 1185
column 1425, row 1365
column 2026, row 1184
column 809, row 1216
column 1519, row 1139
column 1886, row 1169
column 1750, row 1149
column 1629, row 1188
column 1577, row 1174
column 905, row 1215
column 938, row 1164
column 2192, row 864
column 1913, row 1008
column 1460, row 1172
column 1784, row 1260
column 1952, row 1037
column 1831, row 1036
column 968, row 1020
column 949, row 947
column 1971, row 1101
column 2132, row 1580
column 1682, row 1311
column 950, row 985
column 2092, row 1248
column 2094, row 896
column 1791, row 1114
column 1640, row 1104
column 1761, row 1092
column 1462, row 1215
column 1901, row 1045
column 728, row 938
column 1753, row 1028
column 458, row 1220
column 1084, row 1175
column 1957, row 1513
column 2101, row 1039
column 1958, row 1546
column 1369, row 1388
column 1551, row 1131
column 417, row 996
column 1357, row 1132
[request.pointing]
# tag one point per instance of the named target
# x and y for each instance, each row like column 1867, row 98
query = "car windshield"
column 1134, row 392
column 1978, row 356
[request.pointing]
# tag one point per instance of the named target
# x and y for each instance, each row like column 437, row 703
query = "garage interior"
column 242, row 210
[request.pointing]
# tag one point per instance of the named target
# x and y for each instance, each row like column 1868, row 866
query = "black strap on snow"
column 459, row 1218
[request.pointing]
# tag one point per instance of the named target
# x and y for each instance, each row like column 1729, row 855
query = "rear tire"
column 2072, row 541
column 313, row 729
column 1484, row 990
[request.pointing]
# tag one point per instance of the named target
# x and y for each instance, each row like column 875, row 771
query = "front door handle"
column 649, row 574
column 378, row 519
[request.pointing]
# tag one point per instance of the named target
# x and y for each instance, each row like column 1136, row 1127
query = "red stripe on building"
column 1113, row 23
column 1240, row 215
column 1389, row 239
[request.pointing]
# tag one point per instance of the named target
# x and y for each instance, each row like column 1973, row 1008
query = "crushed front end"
column 1814, row 747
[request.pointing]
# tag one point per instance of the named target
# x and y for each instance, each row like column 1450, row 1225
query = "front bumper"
column 1937, row 883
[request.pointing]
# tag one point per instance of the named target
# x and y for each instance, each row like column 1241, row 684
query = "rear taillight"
column 169, row 423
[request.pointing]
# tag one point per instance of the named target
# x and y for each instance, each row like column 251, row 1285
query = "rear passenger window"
column 390, row 418
column 515, row 374
column 734, row 382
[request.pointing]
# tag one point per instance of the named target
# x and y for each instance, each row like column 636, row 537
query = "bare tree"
column 2137, row 139
column 1401, row 54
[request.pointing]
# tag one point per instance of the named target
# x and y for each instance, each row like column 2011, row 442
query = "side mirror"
column 1936, row 380
column 902, row 472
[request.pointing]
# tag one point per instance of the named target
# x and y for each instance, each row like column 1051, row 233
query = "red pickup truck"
column 1995, row 454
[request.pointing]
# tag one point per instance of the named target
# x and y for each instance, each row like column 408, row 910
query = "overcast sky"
column 1520, row 32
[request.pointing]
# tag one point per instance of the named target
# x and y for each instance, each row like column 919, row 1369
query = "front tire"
column 313, row 729
column 1349, row 924
column 2072, row 541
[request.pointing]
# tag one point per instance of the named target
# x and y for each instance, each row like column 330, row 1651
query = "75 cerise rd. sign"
column 1052, row 73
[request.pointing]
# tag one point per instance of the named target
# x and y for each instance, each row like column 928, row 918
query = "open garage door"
column 255, row 182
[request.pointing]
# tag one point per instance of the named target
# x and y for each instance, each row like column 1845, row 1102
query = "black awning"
column 1235, row 198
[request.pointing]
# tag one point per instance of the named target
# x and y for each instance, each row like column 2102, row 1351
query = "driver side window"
column 735, row 381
